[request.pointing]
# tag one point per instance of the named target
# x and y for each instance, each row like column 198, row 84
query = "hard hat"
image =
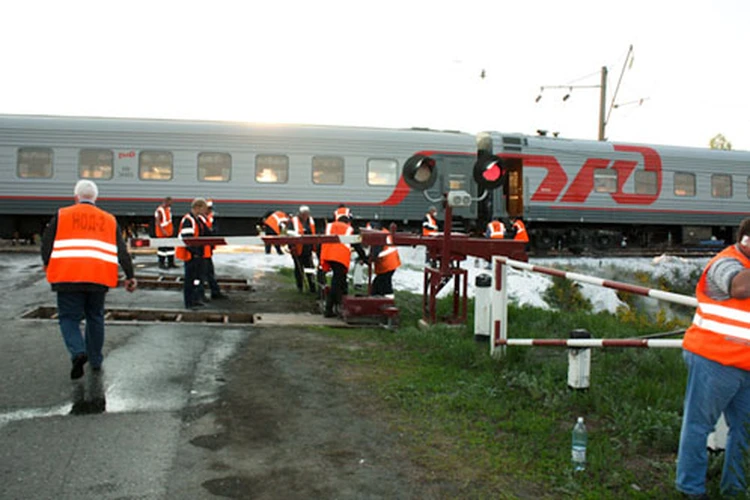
column 210, row 203
column 304, row 208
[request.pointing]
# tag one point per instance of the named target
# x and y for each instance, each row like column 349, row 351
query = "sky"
column 407, row 63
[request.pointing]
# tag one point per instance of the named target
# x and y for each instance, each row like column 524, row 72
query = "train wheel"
column 604, row 241
column 544, row 240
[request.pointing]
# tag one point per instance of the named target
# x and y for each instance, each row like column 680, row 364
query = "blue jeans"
column 72, row 307
column 713, row 388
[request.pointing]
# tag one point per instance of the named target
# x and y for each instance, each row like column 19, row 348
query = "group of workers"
column 496, row 229
column 334, row 257
column 199, row 266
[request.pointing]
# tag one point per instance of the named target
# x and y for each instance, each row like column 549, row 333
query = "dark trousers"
column 72, row 307
column 193, row 281
column 383, row 284
column 339, row 287
column 271, row 232
column 166, row 256
column 300, row 263
column 209, row 277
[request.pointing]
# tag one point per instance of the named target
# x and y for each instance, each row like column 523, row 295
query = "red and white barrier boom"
column 500, row 309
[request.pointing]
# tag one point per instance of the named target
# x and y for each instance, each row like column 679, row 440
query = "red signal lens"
column 493, row 172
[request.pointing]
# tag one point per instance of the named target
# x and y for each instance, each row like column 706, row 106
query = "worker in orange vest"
column 520, row 227
column 495, row 229
column 386, row 260
column 164, row 228
column 302, row 224
column 274, row 223
column 193, row 226
column 337, row 258
column 342, row 211
column 430, row 223
column 81, row 249
column 716, row 348
column 209, row 273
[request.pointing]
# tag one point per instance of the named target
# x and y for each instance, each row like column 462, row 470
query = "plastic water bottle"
column 578, row 450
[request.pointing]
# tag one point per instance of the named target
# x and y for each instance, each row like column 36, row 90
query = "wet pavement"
column 112, row 434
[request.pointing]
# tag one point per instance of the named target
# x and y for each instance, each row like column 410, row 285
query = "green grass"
column 501, row 428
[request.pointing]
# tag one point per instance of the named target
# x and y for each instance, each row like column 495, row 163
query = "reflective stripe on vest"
column 429, row 226
column 163, row 229
column 275, row 220
column 337, row 252
column 342, row 212
column 193, row 230
column 299, row 228
column 497, row 230
column 388, row 258
column 521, row 234
column 85, row 247
column 721, row 329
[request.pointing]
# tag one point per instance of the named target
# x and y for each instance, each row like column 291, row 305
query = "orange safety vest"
column 342, row 212
column 299, row 228
column 521, row 234
column 337, row 252
column 721, row 328
column 430, row 226
column 208, row 220
column 275, row 220
column 163, row 222
column 192, row 231
column 388, row 258
column 85, row 247
column 496, row 230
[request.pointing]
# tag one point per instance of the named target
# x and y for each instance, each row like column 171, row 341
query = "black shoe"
column 328, row 314
column 77, row 371
column 313, row 291
column 219, row 296
column 195, row 306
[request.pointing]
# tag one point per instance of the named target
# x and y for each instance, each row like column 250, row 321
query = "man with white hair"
column 81, row 248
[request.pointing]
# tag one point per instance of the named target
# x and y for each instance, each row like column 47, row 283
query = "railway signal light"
column 490, row 172
column 420, row 172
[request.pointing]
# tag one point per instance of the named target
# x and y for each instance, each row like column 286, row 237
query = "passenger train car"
column 574, row 194
column 246, row 169
column 582, row 194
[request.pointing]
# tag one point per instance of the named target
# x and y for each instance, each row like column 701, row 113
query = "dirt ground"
column 296, row 426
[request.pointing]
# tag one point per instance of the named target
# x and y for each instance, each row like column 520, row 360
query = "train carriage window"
column 327, row 170
column 645, row 182
column 35, row 163
column 155, row 165
column 214, row 167
column 684, row 184
column 96, row 164
column 605, row 180
column 272, row 169
column 721, row 186
column 382, row 172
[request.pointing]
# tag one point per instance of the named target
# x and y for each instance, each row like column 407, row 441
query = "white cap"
column 304, row 208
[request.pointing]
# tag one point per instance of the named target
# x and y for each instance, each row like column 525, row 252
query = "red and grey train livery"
column 572, row 193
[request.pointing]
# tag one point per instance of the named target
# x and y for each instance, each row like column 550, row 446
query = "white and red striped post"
column 500, row 309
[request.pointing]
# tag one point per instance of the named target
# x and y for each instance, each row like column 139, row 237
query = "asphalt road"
column 56, row 441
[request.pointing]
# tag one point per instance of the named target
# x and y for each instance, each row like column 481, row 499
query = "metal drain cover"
column 154, row 316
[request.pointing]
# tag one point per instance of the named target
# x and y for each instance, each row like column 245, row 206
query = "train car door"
column 513, row 187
